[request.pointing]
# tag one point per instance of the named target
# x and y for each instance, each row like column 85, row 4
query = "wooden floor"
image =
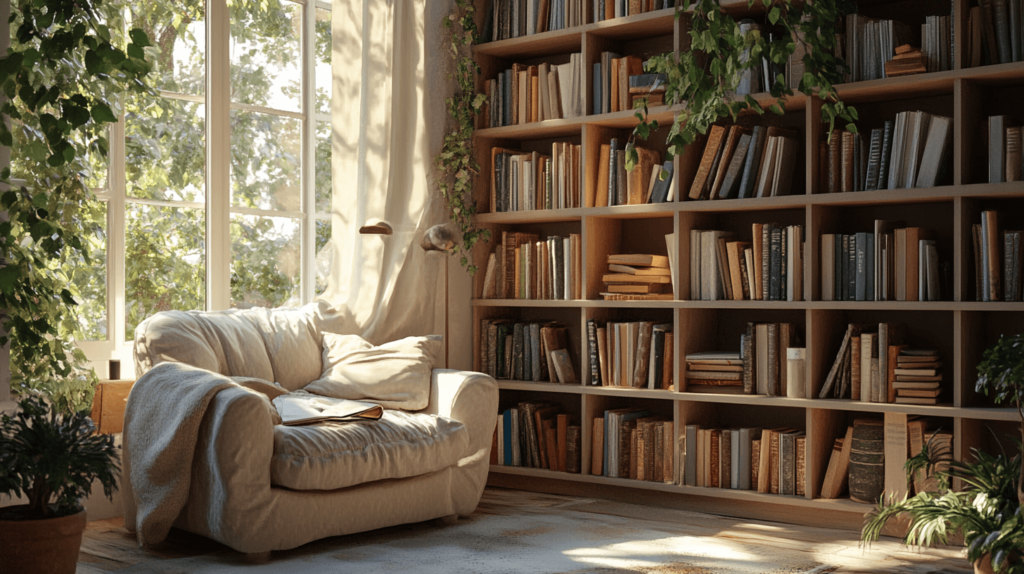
column 107, row 547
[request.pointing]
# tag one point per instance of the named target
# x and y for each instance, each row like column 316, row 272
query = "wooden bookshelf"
column 961, row 327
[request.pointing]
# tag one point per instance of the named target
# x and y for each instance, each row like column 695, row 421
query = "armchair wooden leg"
column 257, row 557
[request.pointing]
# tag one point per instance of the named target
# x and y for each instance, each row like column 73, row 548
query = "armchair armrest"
column 468, row 397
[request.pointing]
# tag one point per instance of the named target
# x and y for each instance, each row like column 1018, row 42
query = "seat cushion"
column 337, row 455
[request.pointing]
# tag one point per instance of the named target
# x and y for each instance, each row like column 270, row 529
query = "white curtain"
column 388, row 115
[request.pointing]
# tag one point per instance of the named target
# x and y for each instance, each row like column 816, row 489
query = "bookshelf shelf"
column 960, row 327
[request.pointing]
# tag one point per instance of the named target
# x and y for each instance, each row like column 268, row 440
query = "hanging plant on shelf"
column 704, row 80
column 455, row 162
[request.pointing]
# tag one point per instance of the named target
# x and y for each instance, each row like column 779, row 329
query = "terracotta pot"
column 984, row 565
column 47, row 546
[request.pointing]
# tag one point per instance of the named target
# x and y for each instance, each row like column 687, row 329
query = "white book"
column 896, row 155
column 916, row 147
column 670, row 245
column 565, row 88
column 767, row 168
column 695, row 278
column 936, row 146
column 867, row 349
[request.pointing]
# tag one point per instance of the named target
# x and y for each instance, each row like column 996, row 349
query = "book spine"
column 595, row 366
column 886, row 151
column 775, row 273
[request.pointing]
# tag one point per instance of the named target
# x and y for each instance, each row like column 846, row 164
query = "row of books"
column 526, row 351
column 516, row 18
column 915, row 150
column 635, row 354
column 1004, row 149
column 643, row 276
column 619, row 80
column 739, row 163
column 524, row 181
column 647, row 182
column 769, row 268
column 524, row 94
column 870, row 43
column 760, row 77
column 608, row 9
column 537, row 435
column 525, row 267
column 764, row 349
column 766, row 460
column 633, row 443
column 998, row 259
column 891, row 264
column 995, row 34
column 891, row 446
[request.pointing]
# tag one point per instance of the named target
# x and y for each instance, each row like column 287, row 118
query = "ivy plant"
column 1001, row 375
column 67, row 65
column 456, row 163
column 703, row 80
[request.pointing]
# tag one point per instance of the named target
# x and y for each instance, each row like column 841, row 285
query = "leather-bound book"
column 867, row 461
column 573, row 443
column 801, row 464
column 835, row 162
column 715, row 140
column 847, row 166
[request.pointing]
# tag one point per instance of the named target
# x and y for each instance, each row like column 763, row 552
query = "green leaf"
column 139, row 37
column 102, row 113
column 8, row 277
column 773, row 15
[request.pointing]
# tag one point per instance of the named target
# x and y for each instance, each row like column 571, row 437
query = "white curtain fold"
column 387, row 116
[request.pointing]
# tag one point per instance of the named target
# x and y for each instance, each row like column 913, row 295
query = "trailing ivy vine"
column 67, row 64
column 456, row 162
column 705, row 78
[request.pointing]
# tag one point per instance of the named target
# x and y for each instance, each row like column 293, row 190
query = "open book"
column 303, row 409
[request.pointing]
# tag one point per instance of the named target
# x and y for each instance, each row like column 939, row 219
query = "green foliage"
column 986, row 512
column 61, row 77
column 52, row 458
column 1001, row 373
column 704, row 80
column 455, row 162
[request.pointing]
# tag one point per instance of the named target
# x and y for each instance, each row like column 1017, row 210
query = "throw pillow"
column 394, row 375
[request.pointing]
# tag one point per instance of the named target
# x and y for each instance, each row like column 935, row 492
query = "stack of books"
column 525, row 267
column 894, row 263
column 766, row 460
column 526, row 351
column 873, row 363
column 713, row 371
column 638, row 277
column 769, row 268
column 915, row 150
column 998, row 259
column 533, row 93
column 740, row 162
column 918, row 377
column 907, row 62
column 537, row 435
column 637, row 354
column 648, row 182
column 529, row 180
column 633, row 443
column 517, row 18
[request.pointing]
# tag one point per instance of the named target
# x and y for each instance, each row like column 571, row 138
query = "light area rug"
column 514, row 532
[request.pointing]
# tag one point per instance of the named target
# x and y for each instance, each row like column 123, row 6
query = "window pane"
column 266, row 55
column 323, row 61
column 323, row 167
column 266, row 260
column 165, row 265
column 165, row 147
column 89, row 281
column 324, row 254
column 178, row 32
column 266, row 161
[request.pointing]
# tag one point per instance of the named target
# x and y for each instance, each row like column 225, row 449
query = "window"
column 157, row 245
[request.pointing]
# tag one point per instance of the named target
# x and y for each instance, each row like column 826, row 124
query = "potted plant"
column 51, row 459
column 987, row 512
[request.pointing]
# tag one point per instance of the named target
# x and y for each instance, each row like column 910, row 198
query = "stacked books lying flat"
column 768, row 461
column 524, row 94
column 918, row 377
column 608, row 9
column 524, row 181
column 1004, row 149
column 713, row 370
column 876, row 448
column 638, row 277
column 764, row 350
column 870, row 43
column 645, row 183
column 536, row 435
column 620, row 81
column 516, row 18
column 739, row 163
column 994, row 33
column 894, row 263
column 907, row 62
column 769, row 268
column 526, row 351
column 636, row 354
column 633, row 443
column 869, row 362
column 997, row 260
column 524, row 267
column 915, row 150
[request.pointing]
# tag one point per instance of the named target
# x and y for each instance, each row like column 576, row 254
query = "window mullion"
column 308, row 275
column 116, row 300
column 218, row 155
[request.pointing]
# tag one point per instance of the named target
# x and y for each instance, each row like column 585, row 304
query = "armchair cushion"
column 395, row 375
column 337, row 455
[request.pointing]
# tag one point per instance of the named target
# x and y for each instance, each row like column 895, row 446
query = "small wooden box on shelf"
column 957, row 325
